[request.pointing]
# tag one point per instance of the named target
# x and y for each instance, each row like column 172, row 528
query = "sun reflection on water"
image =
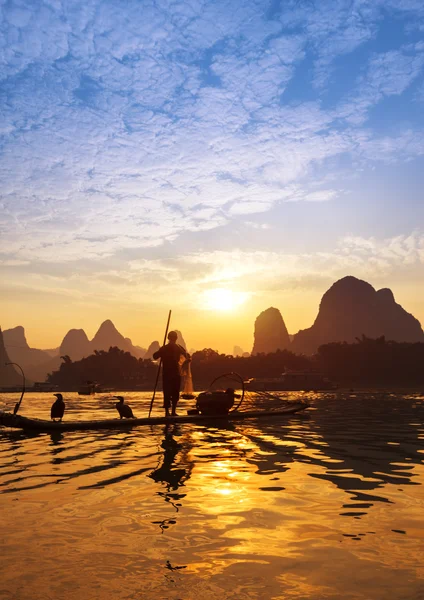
column 322, row 506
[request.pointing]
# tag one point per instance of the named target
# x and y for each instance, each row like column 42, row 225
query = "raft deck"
column 27, row 424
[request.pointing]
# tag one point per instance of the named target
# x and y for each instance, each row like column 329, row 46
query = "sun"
column 223, row 299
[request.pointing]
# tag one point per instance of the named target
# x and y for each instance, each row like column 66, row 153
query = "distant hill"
column 38, row 363
column 180, row 339
column 352, row 308
column 8, row 375
column 140, row 350
column 75, row 344
column 18, row 349
column 154, row 346
column 270, row 332
column 52, row 351
column 107, row 335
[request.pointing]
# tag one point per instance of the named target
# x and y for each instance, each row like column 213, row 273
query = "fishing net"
column 267, row 401
column 271, row 400
column 187, row 391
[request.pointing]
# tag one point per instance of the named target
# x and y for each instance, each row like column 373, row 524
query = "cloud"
column 389, row 73
column 255, row 225
column 124, row 128
column 259, row 271
column 401, row 250
column 263, row 276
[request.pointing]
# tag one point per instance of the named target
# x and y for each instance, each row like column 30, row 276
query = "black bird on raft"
column 58, row 408
column 124, row 410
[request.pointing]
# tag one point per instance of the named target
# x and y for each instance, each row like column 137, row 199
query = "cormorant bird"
column 58, row 408
column 124, row 410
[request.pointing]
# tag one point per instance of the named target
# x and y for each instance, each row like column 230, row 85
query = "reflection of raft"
column 27, row 424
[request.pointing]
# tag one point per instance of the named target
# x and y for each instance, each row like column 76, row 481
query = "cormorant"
column 124, row 410
column 58, row 408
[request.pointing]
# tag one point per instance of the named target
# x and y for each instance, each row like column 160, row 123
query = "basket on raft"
column 218, row 401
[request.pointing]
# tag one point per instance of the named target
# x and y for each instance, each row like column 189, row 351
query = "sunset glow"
column 222, row 299
column 214, row 158
column 212, row 299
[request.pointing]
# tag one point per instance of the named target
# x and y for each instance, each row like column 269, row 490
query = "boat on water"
column 295, row 381
column 89, row 388
column 16, row 421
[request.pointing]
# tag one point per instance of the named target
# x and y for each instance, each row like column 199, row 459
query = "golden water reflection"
column 325, row 505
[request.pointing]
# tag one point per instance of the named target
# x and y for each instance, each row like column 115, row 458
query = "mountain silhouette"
column 75, row 344
column 352, row 308
column 8, row 375
column 38, row 363
column 349, row 309
column 107, row 335
column 180, row 339
column 270, row 332
column 18, row 349
column 154, row 346
column 52, row 351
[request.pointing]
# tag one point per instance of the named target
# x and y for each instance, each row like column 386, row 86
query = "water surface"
column 326, row 504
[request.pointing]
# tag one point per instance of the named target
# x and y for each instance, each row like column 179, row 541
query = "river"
column 324, row 504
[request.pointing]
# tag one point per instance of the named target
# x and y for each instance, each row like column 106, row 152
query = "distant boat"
column 89, row 388
column 295, row 381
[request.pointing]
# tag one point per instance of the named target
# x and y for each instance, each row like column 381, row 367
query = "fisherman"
column 171, row 355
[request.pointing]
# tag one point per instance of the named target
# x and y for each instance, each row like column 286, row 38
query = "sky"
column 215, row 158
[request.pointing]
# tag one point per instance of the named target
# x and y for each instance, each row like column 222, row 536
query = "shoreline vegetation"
column 367, row 362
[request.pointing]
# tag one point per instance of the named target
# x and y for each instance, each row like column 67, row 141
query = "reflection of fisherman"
column 172, row 474
column 171, row 355
column 167, row 473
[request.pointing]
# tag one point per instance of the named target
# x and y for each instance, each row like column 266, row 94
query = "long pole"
column 18, row 404
column 160, row 364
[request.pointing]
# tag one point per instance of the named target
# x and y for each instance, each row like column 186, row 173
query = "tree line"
column 114, row 368
column 373, row 361
column 365, row 362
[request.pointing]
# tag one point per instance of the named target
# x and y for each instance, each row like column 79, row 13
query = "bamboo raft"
column 8, row 419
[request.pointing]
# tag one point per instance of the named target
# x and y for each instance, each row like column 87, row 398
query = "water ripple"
column 325, row 505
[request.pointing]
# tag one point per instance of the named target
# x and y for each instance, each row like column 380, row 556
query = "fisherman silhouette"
column 171, row 354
